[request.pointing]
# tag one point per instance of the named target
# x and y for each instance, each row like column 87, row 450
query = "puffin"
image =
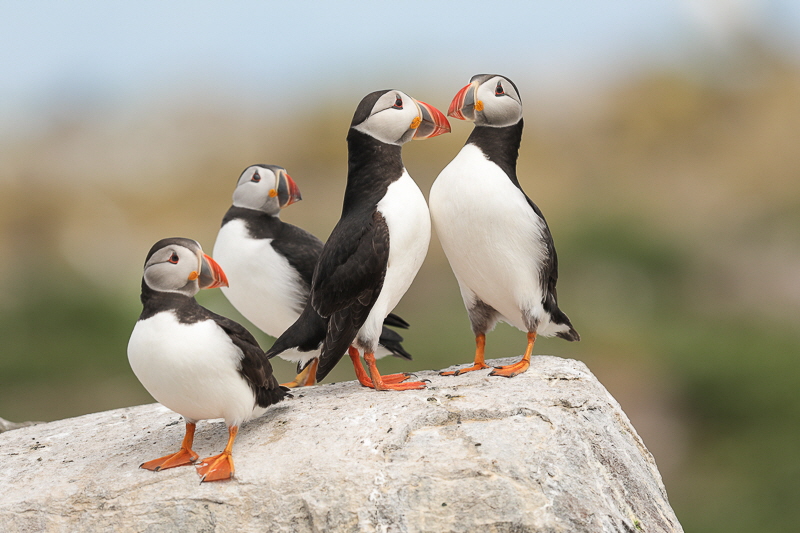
column 197, row 363
column 377, row 247
column 496, row 239
column 269, row 264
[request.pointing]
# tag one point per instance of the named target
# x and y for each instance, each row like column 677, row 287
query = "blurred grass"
column 674, row 201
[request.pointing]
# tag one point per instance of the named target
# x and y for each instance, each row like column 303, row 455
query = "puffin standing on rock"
column 379, row 243
column 495, row 238
column 270, row 264
column 195, row 362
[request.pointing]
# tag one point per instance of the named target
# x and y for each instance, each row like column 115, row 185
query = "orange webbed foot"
column 509, row 371
column 390, row 379
column 220, row 466
column 182, row 458
column 364, row 378
column 185, row 455
column 291, row 384
column 216, row 468
column 476, row 366
column 380, row 382
column 395, row 378
column 408, row 385
column 306, row 378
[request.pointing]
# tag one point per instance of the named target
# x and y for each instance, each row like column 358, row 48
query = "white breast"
column 191, row 369
column 490, row 234
column 263, row 286
column 406, row 214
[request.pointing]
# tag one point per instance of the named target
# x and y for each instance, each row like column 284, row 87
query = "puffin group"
column 322, row 300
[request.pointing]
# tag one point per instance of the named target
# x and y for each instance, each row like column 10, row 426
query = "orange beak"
column 433, row 122
column 211, row 274
column 463, row 105
column 288, row 191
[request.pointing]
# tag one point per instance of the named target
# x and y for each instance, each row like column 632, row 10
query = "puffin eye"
column 398, row 103
column 498, row 91
column 173, row 258
column 256, row 177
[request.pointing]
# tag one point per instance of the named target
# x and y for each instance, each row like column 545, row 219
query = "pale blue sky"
column 115, row 53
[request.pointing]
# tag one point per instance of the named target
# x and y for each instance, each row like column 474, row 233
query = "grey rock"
column 547, row 451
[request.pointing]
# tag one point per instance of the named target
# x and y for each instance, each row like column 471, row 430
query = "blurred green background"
column 665, row 157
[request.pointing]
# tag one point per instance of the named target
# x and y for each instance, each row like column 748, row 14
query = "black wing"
column 347, row 281
column 548, row 273
column 352, row 265
column 255, row 367
column 300, row 248
column 305, row 335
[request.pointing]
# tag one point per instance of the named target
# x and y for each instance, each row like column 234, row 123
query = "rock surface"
column 547, row 451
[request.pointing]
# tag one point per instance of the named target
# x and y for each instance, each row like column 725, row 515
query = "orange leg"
column 509, row 371
column 480, row 364
column 312, row 373
column 185, row 455
column 362, row 376
column 381, row 384
column 220, row 466
column 306, row 378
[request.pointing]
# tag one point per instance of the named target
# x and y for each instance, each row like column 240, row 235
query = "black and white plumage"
column 495, row 238
column 270, row 263
column 195, row 362
column 380, row 241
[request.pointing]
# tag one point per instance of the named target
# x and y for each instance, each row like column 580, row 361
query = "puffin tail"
column 570, row 335
column 391, row 341
column 306, row 334
column 271, row 392
column 557, row 316
column 395, row 321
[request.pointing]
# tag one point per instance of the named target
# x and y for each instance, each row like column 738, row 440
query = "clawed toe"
column 465, row 370
column 409, row 385
column 509, row 371
column 216, row 468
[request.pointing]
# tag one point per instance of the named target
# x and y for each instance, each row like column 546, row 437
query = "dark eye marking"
column 398, row 103
column 498, row 91
column 256, row 177
column 173, row 258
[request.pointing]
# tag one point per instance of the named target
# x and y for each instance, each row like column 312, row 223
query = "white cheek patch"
column 390, row 125
column 165, row 278
column 505, row 112
column 497, row 111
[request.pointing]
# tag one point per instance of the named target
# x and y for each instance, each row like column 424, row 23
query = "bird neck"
column 372, row 166
column 499, row 145
column 260, row 225
column 155, row 301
